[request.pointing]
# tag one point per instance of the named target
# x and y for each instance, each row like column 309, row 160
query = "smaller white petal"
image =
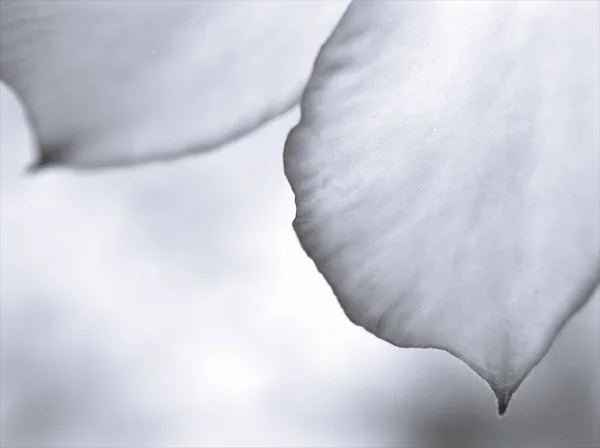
column 121, row 82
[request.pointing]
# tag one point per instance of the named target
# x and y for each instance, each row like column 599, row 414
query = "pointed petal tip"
column 35, row 167
column 48, row 157
column 41, row 163
column 503, row 402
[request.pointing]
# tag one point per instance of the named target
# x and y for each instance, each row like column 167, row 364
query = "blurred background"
column 171, row 305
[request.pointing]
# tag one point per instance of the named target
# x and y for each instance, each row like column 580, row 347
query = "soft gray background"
column 172, row 305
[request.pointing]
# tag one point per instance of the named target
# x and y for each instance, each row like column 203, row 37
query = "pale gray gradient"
column 171, row 305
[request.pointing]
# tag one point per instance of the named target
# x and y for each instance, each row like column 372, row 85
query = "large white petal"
column 120, row 82
column 446, row 173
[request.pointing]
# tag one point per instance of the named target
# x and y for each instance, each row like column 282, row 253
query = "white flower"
column 446, row 166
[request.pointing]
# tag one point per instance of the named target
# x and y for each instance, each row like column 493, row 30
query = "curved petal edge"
column 109, row 83
column 446, row 171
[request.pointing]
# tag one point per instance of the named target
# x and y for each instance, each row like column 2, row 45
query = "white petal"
column 446, row 173
column 120, row 82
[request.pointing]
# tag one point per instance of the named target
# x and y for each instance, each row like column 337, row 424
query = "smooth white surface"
column 447, row 174
column 128, row 81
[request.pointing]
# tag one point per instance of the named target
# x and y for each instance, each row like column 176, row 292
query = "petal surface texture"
column 120, row 82
column 446, row 174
